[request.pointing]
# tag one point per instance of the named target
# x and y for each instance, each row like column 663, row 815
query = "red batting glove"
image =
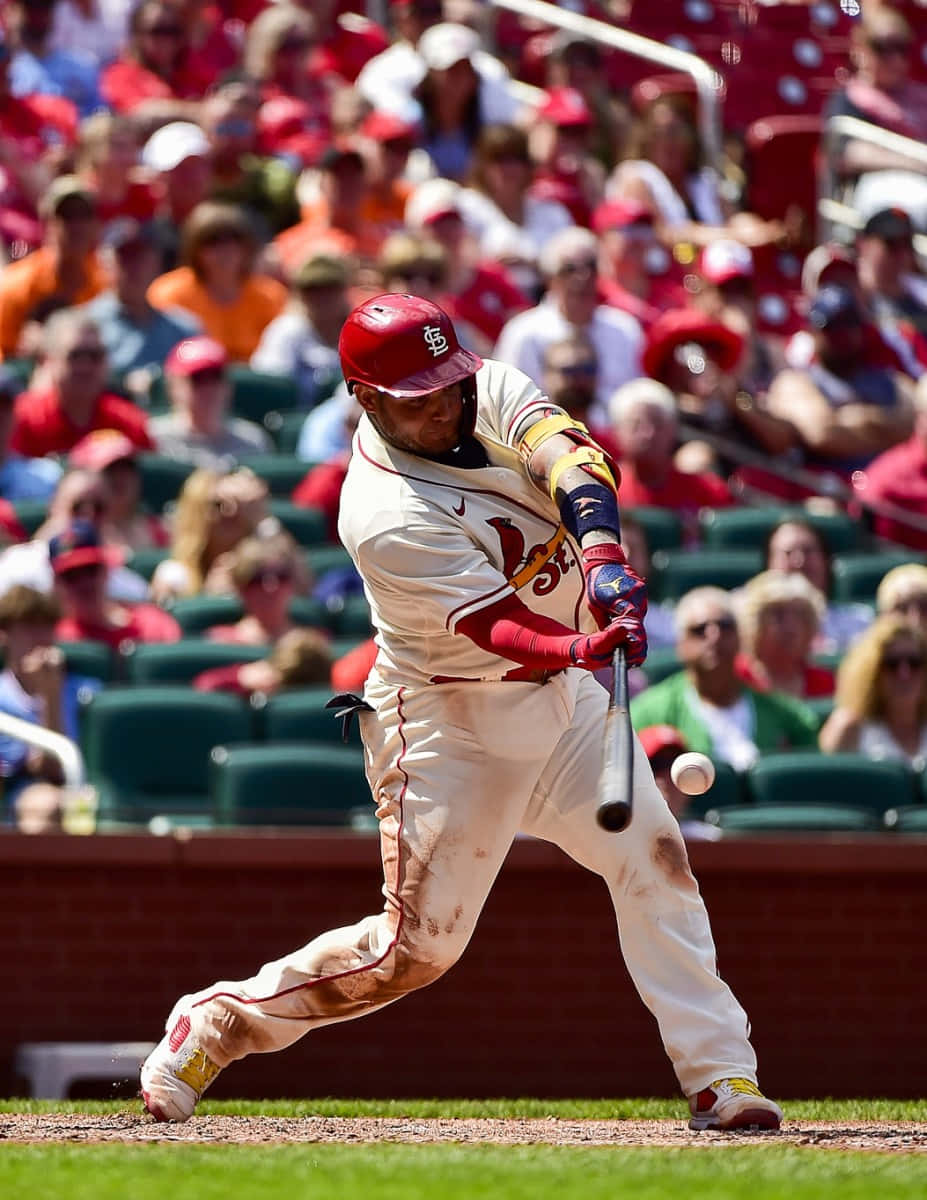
column 594, row 650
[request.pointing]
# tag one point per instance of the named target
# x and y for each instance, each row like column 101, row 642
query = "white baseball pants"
column 457, row 770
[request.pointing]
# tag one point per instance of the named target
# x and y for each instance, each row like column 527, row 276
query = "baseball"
column 693, row 773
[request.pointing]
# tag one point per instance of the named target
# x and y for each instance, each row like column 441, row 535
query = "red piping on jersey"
column 525, row 409
column 399, row 924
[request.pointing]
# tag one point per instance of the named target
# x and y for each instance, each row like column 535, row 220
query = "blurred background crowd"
column 728, row 288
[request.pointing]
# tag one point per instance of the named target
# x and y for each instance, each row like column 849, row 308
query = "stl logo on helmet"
column 435, row 340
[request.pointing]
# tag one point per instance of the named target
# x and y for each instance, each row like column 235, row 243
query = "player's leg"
column 452, row 770
column 663, row 924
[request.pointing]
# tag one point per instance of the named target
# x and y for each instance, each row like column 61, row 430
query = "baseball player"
column 484, row 522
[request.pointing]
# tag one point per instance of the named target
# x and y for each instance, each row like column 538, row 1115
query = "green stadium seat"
column 93, row 659
column 30, row 514
column 181, row 662
column 678, row 571
column 255, row 393
column 281, row 472
column 662, row 526
column 146, row 561
column 327, row 558
column 353, row 620
column 857, row 576
column 147, row 749
column 307, row 526
column 821, row 706
column 727, row 791
column 794, row 818
column 660, row 663
column 300, row 715
column 162, row 479
column 909, row 818
column 22, row 367
column 196, row 614
column 287, row 785
column 834, row 780
column 285, row 428
column 749, row 527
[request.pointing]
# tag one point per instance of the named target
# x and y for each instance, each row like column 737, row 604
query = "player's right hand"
column 594, row 650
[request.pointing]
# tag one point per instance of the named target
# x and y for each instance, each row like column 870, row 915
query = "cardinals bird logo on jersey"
column 545, row 563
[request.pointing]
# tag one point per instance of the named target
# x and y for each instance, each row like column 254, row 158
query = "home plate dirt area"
column 131, row 1126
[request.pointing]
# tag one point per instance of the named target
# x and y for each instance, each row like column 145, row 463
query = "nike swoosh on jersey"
column 463, row 505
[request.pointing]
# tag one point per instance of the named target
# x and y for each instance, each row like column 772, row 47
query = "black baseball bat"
column 616, row 785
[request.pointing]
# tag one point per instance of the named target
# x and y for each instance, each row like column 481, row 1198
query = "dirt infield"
column 132, row 1127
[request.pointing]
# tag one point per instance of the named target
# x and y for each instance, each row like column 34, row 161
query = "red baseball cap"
column 567, row 107
column 619, row 214
column 656, row 738
column 284, row 126
column 80, row 545
column 100, row 449
column 382, row 126
column 680, row 325
column 195, row 354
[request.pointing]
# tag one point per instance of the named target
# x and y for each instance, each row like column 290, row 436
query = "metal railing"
column 708, row 83
column 55, row 744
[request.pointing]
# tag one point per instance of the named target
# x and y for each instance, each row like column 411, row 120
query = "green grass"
column 172, row 1170
column 393, row 1172
column 568, row 1110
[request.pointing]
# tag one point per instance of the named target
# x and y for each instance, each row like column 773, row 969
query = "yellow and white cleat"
column 733, row 1104
column 177, row 1072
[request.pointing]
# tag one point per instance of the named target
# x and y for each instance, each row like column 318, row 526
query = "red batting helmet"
column 403, row 345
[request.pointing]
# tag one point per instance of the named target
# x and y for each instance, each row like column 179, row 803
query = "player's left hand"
column 613, row 590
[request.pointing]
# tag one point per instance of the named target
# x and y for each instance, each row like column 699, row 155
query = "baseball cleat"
column 733, row 1104
column 177, row 1072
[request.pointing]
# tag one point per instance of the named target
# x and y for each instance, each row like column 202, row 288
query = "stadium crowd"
column 195, row 193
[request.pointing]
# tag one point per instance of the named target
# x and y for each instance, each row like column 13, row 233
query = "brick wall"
column 823, row 940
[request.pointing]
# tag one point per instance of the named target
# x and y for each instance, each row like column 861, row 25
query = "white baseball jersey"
column 435, row 543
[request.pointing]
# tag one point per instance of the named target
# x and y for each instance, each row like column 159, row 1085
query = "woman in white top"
column 665, row 172
column 882, row 696
column 509, row 223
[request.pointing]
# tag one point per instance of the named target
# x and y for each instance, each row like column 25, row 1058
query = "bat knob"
column 614, row 817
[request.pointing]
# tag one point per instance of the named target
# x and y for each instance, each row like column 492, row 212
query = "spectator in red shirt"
column 780, row 614
column 157, row 78
column 482, row 293
column 107, row 162
column 75, row 401
column 645, row 420
column 277, row 51
column 267, row 574
column 301, row 658
column 80, row 563
column 629, row 248
column 894, row 484
column 346, row 39
column 560, row 145
column 115, row 459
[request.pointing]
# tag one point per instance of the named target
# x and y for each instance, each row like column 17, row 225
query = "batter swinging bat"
column 617, row 781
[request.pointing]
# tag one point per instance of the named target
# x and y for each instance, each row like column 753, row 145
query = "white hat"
column 724, row 260
column 432, row 198
column 443, row 45
column 171, row 144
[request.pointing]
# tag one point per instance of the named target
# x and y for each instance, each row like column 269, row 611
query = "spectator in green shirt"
column 716, row 712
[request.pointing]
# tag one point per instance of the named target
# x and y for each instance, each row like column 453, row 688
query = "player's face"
column 429, row 424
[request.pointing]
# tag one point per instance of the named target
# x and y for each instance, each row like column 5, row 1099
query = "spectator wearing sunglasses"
column 881, row 92
column 267, row 574
column 198, row 429
column 81, row 564
column 707, row 701
column 882, row 696
column 569, row 262
column 73, row 399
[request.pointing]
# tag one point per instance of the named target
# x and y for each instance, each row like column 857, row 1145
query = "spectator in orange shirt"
column 645, row 420
column 387, row 140
column 80, row 563
column 218, row 283
column 334, row 219
column 65, row 270
column 50, row 420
